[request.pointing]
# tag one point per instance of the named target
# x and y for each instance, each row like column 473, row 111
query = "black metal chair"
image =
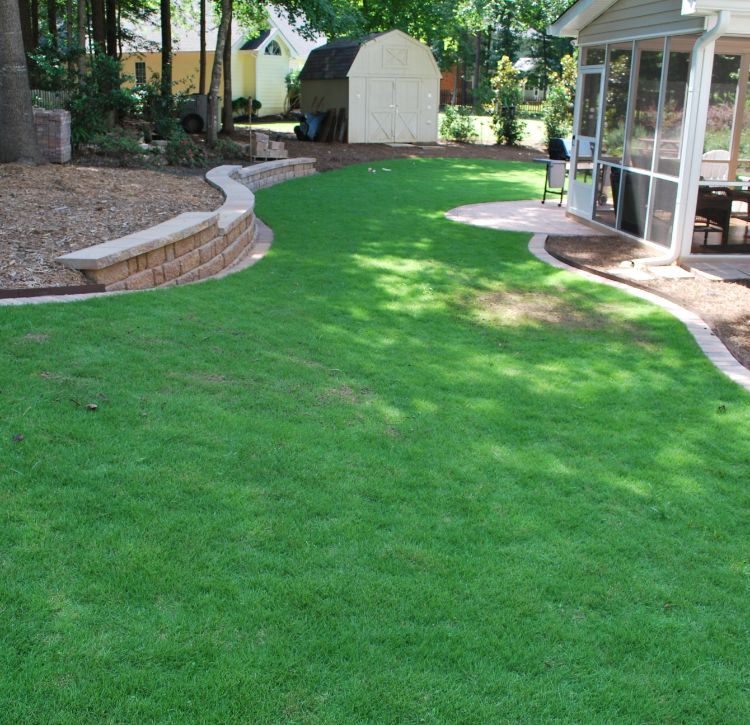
column 713, row 213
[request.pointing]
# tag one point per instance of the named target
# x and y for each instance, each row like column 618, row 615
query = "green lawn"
column 399, row 471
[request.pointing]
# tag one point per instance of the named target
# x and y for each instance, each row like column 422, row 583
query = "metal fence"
column 50, row 99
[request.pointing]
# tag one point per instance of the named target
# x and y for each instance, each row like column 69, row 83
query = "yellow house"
column 259, row 64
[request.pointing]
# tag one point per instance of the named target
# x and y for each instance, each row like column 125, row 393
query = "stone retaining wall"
column 192, row 246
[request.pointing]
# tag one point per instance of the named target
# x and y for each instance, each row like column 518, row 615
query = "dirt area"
column 335, row 155
column 725, row 306
column 50, row 210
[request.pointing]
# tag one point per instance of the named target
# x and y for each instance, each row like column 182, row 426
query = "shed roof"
column 333, row 60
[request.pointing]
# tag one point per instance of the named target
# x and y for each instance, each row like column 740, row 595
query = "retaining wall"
column 192, row 246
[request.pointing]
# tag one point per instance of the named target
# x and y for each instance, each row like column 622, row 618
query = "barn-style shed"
column 388, row 83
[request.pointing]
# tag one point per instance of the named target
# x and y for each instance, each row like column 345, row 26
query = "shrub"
column 183, row 151
column 98, row 99
column 508, row 89
column 293, row 88
column 119, row 145
column 161, row 110
column 227, row 149
column 458, row 124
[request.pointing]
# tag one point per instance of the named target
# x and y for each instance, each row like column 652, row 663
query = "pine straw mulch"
column 725, row 306
column 50, row 210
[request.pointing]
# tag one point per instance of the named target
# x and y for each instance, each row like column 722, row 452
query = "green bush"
column 160, row 110
column 508, row 89
column 183, row 151
column 119, row 145
column 226, row 149
column 98, row 99
column 293, row 88
column 458, row 124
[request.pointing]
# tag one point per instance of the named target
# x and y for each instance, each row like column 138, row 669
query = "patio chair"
column 713, row 213
column 715, row 165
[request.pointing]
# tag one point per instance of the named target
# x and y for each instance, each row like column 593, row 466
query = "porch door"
column 585, row 152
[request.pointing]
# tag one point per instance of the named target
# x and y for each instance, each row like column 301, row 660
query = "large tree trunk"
column 166, row 47
column 98, row 30
column 52, row 20
column 25, row 13
column 69, row 41
column 111, row 27
column 17, row 134
column 34, row 23
column 202, row 53
column 227, row 120
column 213, row 91
column 82, row 22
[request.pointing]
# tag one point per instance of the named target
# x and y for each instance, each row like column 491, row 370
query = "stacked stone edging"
column 192, row 246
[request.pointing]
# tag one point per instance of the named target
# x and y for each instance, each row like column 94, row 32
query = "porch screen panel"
column 605, row 199
column 663, row 201
column 743, row 164
column 721, row 104
column 639, row 149
column 634, row 201
column 616, row 102
column 672, row 113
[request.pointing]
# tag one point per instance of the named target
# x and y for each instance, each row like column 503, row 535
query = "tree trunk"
column 227, row 121
column 98, row 30
column 111, row 27
column 25, row 13
column 34, row 23
column 213, row 91
column 17, row 134
column 82, row 21
column 52, row 20
column 202, row 54
column 477, row 67
column 69, row 37
column 166, row 47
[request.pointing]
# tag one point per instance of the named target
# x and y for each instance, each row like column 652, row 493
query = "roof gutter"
column 689, row 169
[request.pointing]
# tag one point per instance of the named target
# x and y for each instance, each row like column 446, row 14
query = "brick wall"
column 53, row 134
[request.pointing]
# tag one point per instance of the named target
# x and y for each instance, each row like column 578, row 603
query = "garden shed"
column 661, row 147
column 387, row 83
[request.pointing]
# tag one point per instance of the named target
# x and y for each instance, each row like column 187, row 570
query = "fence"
column 50, row 99
column 527, row 109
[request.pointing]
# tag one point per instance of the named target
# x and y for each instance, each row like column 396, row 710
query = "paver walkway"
column 521, row 216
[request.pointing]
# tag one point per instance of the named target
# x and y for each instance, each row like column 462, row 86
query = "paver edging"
column 713, row 348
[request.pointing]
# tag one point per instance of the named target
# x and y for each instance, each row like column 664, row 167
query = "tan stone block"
column 171, row 269
column 169, row 252
column 192, row 276
column 142, row 262
column 212, row 267
column 117, row 286
column 183, row 246
column 189, row 261
column 113, row 273
column 207, row 251
column 158, row 276
column 142, row 280
column 156, row 257
column 220, row 244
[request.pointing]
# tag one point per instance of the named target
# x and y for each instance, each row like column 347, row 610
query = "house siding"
column 640, row 18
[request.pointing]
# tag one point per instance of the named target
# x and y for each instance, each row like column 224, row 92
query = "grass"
column 399, row 471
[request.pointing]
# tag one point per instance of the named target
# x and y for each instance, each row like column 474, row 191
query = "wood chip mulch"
column 725, row 306
column 46, row 211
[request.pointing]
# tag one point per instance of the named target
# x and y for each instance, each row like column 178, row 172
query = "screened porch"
column 631, row 143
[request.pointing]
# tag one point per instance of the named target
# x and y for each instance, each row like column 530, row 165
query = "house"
column 387, row 83
column 661, row 148
column 259, row 64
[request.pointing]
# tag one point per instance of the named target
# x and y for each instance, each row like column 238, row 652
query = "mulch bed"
column 725, row 306
column 51, row 210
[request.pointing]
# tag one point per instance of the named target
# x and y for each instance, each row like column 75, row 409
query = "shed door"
column 407, row 110
column 381, row 109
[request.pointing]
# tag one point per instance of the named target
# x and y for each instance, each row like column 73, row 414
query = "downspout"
column 688, row 170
